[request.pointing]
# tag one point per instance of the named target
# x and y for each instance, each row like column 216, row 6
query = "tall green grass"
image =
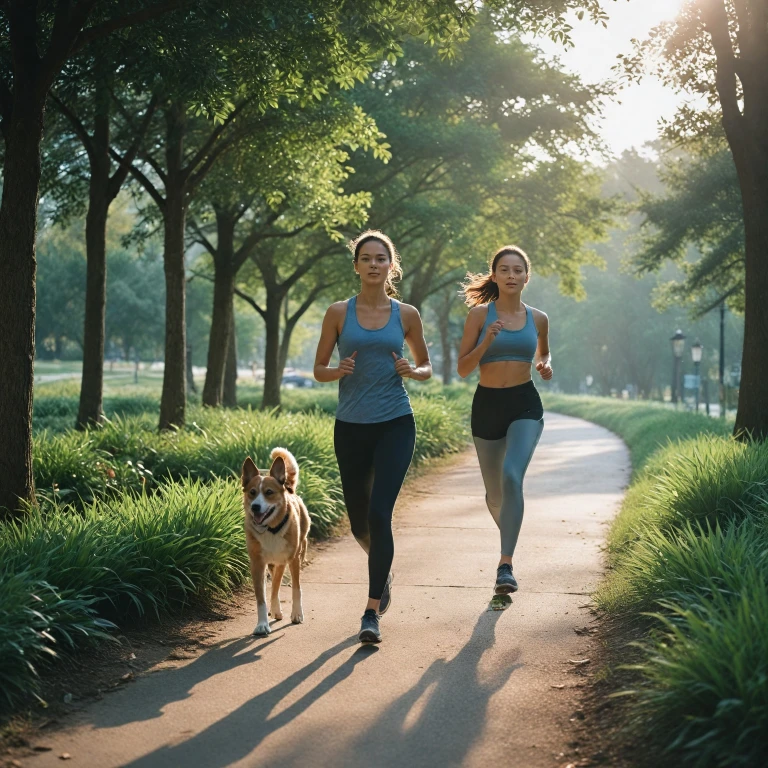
column 65, row 578
column 689, row 557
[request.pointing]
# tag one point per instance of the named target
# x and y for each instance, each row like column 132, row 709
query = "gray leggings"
column 503, row 464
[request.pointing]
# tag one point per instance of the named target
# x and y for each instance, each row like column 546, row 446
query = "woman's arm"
column 543, row 359
column 414, row 335
column 470, row 351
column 328, row 336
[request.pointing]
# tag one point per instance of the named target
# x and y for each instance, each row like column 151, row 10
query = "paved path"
column 452, row 684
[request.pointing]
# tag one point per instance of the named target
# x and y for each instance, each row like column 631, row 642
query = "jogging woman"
column 375, row 433
column 504, row 336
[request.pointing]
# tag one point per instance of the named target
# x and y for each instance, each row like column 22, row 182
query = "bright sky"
column 633, row 121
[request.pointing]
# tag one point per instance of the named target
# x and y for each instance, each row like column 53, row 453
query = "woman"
column 375, row 433
column 503, row 336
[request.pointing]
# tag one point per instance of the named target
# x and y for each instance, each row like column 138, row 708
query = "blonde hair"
column 480, row 288
column 396, row 273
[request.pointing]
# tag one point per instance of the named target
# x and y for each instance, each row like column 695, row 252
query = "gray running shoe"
column 369, row 628
column 505, row 580
column 386, row 595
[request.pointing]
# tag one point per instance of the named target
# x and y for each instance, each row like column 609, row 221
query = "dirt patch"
column 601, row 725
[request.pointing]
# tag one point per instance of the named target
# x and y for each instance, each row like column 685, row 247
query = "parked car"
column 297, row 381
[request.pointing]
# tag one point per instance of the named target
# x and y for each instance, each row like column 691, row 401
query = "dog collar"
column 277, row 528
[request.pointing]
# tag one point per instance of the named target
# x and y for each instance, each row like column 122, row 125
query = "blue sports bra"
column 517, row 345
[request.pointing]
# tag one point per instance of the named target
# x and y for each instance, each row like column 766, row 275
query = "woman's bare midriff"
column 508, row 373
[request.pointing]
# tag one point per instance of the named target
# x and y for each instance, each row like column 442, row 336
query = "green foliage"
column 701, row 209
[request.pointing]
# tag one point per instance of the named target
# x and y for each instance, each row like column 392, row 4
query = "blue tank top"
column 374, row 392
column 517, row 345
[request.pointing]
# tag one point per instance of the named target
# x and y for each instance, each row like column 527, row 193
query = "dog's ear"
column 277, row 470
column 250, row 470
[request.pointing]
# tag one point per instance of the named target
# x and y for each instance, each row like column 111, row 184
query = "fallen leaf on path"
column 578, row 662
column 126, row 677
column 65, row 756
column 558, row 686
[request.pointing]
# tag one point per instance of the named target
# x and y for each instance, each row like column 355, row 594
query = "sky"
column 634, row 120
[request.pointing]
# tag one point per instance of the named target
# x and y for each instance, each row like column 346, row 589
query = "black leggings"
column 373, row 460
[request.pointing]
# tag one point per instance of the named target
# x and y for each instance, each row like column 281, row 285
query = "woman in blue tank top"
column 374, row 433
column 504, row 337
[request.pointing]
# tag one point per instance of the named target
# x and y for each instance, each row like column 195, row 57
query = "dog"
column 276, row 528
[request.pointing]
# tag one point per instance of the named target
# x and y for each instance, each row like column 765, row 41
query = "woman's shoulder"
column 406, row 310
column 541, row 319
column 479, row 312
column 338, row 308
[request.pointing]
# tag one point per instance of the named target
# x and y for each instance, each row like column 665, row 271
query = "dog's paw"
column 297, row 616
column 276, row 612
column 262, row 629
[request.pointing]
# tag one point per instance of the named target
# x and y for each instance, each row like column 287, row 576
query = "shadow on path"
column 237, row 734
column 436, row 722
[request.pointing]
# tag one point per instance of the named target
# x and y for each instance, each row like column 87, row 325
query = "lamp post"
column 678, row 347
column 696, row 351
column 722, row 397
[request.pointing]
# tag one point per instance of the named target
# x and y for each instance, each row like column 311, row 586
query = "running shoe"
column 505, row 580
column 369, row 627
column 386, row 595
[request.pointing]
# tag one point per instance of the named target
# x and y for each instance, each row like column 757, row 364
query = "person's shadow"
column 239, row 733
column 450, row 721
column 453, row 716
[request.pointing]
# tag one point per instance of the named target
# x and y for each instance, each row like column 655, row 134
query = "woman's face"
column 373, row 263
column 510, row 274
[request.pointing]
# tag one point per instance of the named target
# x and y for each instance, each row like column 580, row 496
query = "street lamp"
column 696, row 351
column 678, row 347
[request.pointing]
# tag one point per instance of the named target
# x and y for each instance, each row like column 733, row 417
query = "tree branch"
column 105, row 28
column 141, row 178
column 716, row 23
column 251, row 301
column 204, row 151
column 118, row 177
column 77, row 125
column 202, row 238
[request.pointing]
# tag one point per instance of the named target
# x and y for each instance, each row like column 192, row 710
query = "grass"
column 689, row 577
column 133, row 522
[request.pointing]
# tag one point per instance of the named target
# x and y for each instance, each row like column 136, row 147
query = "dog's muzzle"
column 259, row 514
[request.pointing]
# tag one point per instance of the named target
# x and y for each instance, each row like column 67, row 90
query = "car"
column 297, row 381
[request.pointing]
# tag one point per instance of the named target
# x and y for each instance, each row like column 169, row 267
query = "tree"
column 701, row 209
column 284, row 181
column 718, row 50
column 482, row 155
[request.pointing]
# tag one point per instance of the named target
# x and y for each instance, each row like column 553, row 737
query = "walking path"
column 452, row 684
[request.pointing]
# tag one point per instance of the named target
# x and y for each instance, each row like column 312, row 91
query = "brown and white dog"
column 276, row 528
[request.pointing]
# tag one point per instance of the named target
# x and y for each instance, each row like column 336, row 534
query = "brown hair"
column 481, row 289
column 396, row 273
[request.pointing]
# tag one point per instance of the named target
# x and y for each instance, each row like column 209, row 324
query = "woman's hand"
column 545, row 370
column 347, row 365
column 493, row 331
column 402, row 367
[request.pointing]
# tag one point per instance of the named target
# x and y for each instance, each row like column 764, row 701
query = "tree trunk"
column 91, row 390
column 18, row 231
column 752, row 414
column 222, row 318
column 444, row 323
column 174, row 397
column 230, row 373
column 190, row 373
column 272, row 372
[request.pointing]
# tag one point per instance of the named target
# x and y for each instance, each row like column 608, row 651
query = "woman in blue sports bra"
column 504, row 336
column 374, row 434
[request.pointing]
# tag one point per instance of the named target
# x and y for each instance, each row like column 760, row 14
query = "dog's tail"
column 289, row 468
